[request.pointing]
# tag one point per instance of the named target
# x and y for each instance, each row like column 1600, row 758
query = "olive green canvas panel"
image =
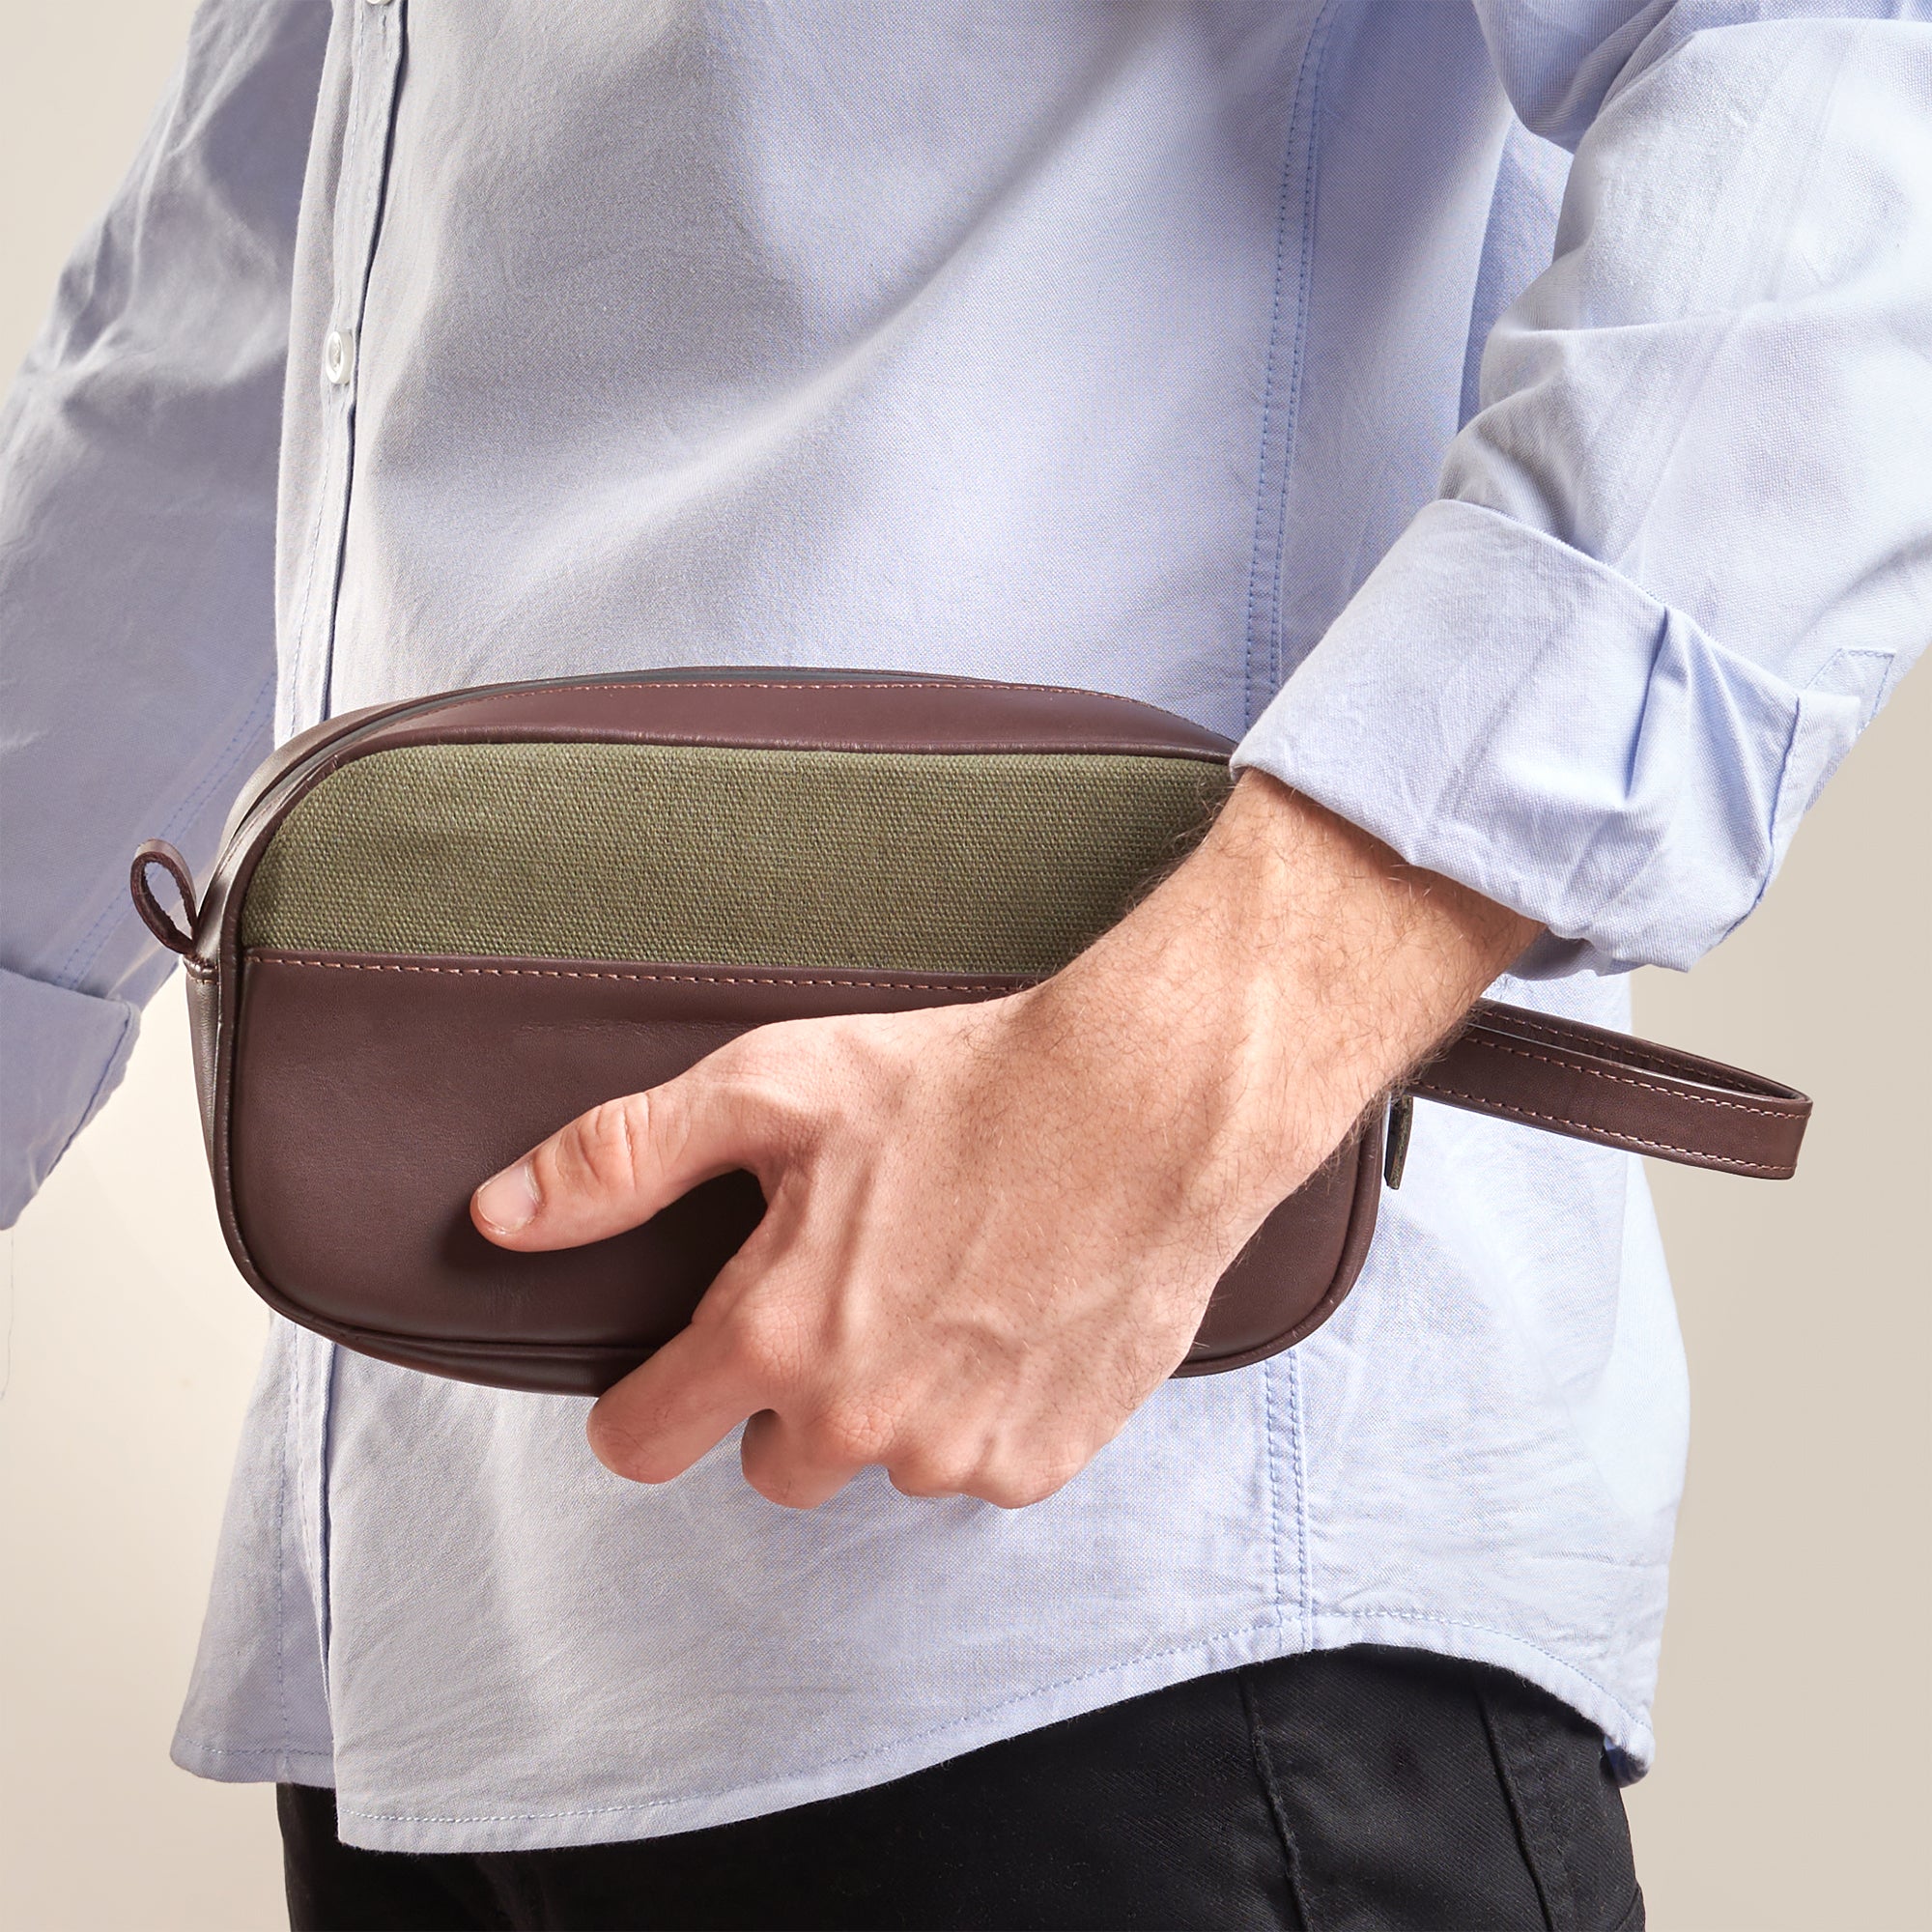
column 696, row 854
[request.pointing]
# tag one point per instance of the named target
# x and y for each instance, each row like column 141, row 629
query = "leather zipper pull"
column 153, row 915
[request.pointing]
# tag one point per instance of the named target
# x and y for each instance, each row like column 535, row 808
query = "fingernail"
column 508, row 1201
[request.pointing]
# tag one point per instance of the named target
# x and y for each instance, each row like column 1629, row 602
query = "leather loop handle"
column 1594, row 1085
column 153, row 915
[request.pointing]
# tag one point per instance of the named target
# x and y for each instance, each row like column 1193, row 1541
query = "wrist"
column 1301, row 968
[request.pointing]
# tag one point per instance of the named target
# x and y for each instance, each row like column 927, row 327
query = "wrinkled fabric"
column 1562, row 521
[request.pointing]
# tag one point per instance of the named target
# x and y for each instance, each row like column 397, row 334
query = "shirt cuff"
column 1505, row 710
column 61, row 1055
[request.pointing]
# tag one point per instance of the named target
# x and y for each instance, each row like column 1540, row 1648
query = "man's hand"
column 993, row 1230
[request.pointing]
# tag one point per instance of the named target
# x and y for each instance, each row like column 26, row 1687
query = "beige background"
column 1792, row 1788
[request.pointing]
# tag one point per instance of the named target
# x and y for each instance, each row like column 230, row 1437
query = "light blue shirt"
column 1211, row 354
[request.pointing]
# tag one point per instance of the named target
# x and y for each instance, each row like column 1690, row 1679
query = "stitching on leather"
column 821, row 684
column 1561, row 1033
column 1669, row 1061
column 689, row 737
column 1150, row 748
column 1005, row 980
column 1624, row 1079
column 1489, row 1106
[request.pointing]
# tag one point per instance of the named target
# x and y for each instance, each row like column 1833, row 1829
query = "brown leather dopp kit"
column 354, row 1094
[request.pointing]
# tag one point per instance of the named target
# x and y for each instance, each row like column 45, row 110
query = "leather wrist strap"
column 1594, row 1085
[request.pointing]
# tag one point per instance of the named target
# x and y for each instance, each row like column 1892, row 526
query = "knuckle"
column 931, row 1476
column 601, row 1151
column 1010, row 1493
column 850, row 1433
column 787, row 1076
column 938, row 1465
column 1022, row 1486
column 764, row 1346
column 774, row 1482
column 789, row 1118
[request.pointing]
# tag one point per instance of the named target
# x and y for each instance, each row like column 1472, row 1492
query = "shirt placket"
column 376, row 49
column 376, row 29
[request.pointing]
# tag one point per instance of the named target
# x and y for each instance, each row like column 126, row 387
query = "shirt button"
column 338, row 355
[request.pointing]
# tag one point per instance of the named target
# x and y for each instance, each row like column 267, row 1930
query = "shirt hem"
column 365, row 1820
column 253, row 1763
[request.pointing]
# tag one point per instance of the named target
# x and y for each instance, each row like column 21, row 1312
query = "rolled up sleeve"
column 137, row 497
column 1684, row 550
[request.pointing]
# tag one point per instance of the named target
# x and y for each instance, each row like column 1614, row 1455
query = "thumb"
column 617, row 1165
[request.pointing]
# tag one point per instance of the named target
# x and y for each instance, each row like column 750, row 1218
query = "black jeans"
column 1349, row 1789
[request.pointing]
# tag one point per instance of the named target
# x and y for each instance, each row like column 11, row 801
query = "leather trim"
column 552, row 1370
column 155, row 916
column 203, row 996
column 744, row 996
column 1357, row 1167
column 809, row 712
column 1590, row 1084
column 370, row 1094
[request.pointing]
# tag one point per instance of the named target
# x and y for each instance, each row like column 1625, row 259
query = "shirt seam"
column 1373, row 1613
column 1312, row 53
column 1273, row 1496
column 319, row 1750
column 1304, row 1541
column 931, row 984
column 1309, row 181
